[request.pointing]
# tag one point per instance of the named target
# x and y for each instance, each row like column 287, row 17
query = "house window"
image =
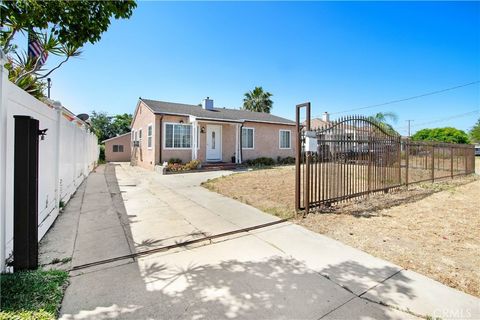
column 285, row 139
column 117, row 148
column 247, row 138
column 140, row 135
column 178, row 136
column 149, row 136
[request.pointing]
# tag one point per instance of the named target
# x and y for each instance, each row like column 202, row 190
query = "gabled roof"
column 317, row 123
column 234, row 115
column 116, row 137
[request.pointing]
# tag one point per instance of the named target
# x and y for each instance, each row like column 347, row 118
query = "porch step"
column 219, row 166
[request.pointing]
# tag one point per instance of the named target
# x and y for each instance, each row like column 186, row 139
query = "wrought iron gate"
column 350, row 157
column 355, row 156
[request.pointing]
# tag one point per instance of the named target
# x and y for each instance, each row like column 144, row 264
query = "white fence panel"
column 67, row 155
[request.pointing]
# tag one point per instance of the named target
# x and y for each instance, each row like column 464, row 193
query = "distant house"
column 166, row 130
column 118, row 149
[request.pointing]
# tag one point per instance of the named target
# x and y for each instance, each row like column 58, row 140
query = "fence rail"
column 356, row 156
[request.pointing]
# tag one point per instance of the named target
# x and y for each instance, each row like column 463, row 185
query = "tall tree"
column 382, row 119
column 475, row 132
column 102, row 125
column 121, row 123
column 447, row 134
column 258, row 100
column 61, row 28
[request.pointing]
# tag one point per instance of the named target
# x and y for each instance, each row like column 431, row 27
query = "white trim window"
column 149, row 136
column 117, row 148
column 177, row 136
column 248, row 138
column 140, row 134
column 285, row 139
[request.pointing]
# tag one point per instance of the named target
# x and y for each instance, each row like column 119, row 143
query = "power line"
column 455, row 116
column 408, row 98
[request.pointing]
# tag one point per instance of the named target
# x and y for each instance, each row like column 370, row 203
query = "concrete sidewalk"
column 279, row 272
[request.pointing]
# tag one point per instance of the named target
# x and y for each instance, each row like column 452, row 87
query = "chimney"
column 326, row 117
column 207, row 103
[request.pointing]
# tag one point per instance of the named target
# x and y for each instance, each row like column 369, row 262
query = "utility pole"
column 409, row 127
column 49, row 85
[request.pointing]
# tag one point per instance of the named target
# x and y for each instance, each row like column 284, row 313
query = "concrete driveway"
column 278, row 272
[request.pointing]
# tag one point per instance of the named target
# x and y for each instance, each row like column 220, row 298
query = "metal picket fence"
column 356, row 156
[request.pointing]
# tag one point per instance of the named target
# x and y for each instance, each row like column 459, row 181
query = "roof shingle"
column 162, row 107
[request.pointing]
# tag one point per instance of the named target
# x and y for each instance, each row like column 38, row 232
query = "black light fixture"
column 181, row 121
column 202, row 130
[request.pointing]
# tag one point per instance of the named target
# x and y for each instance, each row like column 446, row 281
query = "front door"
column 214, row 143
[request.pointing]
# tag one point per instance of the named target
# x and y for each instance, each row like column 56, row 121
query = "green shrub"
column 101, row 155
column 286, row 160
column 174, row 160
column 176, row 167
column 447, row 134
column 193, row 165
column 260, row 162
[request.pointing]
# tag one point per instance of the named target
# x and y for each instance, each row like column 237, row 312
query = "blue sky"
column 338, row 55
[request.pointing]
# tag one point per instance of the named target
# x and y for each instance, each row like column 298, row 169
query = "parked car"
column 383, row 155
column 477, row 150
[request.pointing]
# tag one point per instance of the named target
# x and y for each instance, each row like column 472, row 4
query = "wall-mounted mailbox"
column 311, row 143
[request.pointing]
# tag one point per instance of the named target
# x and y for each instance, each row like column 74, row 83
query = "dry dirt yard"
column 433, row 229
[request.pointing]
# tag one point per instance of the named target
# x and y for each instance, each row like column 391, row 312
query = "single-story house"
column 166, row 130
column 118, row 149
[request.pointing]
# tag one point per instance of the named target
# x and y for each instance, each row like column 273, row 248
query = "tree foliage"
column 447, row 134
column 475, row 132
column 106, row 127
column 62, row 27
column 382, row 120
column 258, row 100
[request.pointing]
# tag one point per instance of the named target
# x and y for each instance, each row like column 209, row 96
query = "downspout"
column 240, row 147
column 160, row 144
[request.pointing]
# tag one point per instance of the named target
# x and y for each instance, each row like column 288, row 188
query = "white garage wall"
column 66, row 156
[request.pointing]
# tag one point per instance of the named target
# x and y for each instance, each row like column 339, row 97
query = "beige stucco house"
column 166, row 130
column 118, row 149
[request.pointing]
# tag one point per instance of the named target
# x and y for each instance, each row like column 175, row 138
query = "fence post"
column 433, row 163
column 369, row 170
column 407, row 161
column 3, row 160
column 399, row 160
column 25, row 194
column 308, row 156
column 298, row 154
column 451, row 162
column 466, row 160
column 58, row 110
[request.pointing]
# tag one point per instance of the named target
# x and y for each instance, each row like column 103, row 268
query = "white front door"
column 214, row 143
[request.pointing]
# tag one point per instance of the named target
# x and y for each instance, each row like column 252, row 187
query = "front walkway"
column 279, row 272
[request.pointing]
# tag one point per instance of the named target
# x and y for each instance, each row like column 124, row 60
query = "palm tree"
column 258, row 100
column 382, row 118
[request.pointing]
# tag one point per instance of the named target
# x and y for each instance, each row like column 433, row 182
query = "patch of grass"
column 62, row 261
column 32, row 294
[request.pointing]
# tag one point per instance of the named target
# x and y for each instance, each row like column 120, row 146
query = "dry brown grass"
column 270, row 190
column 433, row 229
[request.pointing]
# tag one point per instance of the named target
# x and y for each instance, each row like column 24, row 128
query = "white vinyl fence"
column 67, row 155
